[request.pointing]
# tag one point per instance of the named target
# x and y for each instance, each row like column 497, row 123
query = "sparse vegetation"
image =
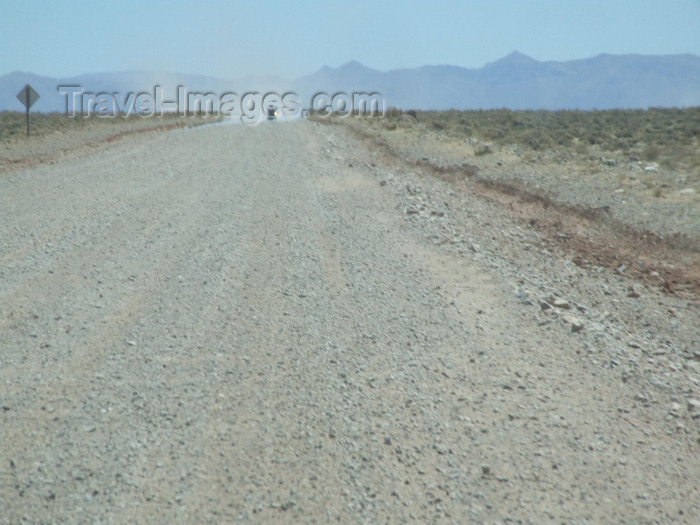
column 669, row 136
column 13, row 124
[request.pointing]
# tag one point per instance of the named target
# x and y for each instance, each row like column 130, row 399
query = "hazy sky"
column 292, row 37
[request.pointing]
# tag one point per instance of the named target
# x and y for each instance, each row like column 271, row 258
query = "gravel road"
column 233, row 324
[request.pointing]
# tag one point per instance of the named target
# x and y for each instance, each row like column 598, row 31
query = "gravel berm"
column 234, row 324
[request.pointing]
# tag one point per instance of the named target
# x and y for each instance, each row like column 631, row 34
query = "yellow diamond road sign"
column 27, row 96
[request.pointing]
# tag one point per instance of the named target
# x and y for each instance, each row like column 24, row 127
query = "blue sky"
column 289, row 38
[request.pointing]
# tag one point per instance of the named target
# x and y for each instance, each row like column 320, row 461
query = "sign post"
column 27, row 96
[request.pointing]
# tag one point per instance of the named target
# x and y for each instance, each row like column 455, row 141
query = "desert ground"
column 344, row 322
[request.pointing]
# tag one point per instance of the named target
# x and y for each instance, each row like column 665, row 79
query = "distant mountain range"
column 520, row 82
column 516, row 82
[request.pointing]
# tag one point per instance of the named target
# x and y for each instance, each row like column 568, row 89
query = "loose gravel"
column 272, row 324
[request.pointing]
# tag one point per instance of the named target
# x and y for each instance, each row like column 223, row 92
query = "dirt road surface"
column 267, row 324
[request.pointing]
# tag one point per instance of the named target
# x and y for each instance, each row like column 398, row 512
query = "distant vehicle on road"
column 271, row 113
